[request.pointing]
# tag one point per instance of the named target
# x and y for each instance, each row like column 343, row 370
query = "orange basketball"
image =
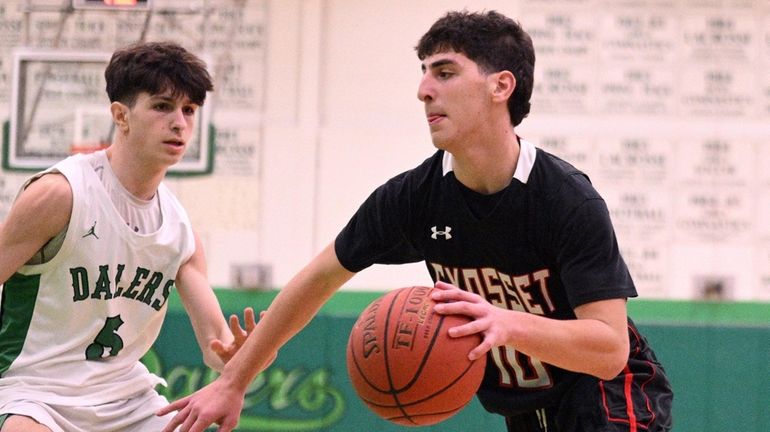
column 404, row 365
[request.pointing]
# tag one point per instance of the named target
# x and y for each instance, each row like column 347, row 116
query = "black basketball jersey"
column 543, row 245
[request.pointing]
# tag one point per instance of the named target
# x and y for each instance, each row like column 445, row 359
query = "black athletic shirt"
column 544, row 245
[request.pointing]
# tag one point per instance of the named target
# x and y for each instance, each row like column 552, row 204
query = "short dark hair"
column 494, row 42
column 156, row 67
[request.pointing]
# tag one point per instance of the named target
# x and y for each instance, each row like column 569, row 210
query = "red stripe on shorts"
column 628, row 380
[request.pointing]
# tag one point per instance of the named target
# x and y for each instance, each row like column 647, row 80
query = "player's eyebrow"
column 438, row 63
column 166, row 97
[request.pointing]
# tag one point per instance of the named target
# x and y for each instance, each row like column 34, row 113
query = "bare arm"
column 42, row 210
column 202, row 306
column 293, row 308
column 221, row 401
column 595, row 343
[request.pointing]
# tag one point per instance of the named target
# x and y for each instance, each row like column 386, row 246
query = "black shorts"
column 638, row 401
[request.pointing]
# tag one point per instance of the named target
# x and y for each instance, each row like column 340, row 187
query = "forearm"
column 293, row 308
column 589, row 346
column 286, row 318
column 204, row 311
column 212, row 360
column 217, row 331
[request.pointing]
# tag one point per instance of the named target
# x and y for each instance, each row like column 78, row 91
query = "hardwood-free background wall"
column 664, row 103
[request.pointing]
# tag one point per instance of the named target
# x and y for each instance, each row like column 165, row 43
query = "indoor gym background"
column 664, row 103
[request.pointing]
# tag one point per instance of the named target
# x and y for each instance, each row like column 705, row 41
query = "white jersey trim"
column 527, row 155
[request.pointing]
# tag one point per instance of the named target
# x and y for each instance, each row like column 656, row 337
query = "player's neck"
column 137, row 178
column 488, row 167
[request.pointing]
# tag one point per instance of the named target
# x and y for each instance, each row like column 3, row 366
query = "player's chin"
column 444, row 140
column 438, row 142
column 173, row 156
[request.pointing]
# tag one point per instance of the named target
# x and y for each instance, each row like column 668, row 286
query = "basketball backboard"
column 59, row 107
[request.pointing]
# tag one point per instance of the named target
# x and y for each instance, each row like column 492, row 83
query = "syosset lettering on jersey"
column 525, row 293
column 107, row 286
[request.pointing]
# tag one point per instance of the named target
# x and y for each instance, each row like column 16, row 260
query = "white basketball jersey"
column 72, row 330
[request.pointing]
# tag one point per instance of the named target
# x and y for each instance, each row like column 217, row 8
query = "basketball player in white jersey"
column 89, row 254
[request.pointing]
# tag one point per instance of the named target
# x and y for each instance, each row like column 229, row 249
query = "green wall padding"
column 717, row 356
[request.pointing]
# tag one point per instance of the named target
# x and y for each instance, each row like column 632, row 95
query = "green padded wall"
column 716, row 354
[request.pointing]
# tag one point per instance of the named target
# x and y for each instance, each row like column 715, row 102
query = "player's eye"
column 189, row 110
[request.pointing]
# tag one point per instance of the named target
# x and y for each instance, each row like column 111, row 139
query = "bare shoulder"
column 49, row 196
column 51, row 183
column 41, row 211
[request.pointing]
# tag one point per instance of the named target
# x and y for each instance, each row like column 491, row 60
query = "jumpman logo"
column 444, row 233
column 92, row 231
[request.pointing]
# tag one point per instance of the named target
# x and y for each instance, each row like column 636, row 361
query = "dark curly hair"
column 156, row 67
column 494, row 42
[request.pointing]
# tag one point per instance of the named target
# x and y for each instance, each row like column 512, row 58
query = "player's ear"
column 120, row 115
column 503, row 83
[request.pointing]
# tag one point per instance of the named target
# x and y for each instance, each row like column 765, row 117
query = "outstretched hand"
column 227, row 351
column 219, row 402
column 215, row 403
column 491, row 321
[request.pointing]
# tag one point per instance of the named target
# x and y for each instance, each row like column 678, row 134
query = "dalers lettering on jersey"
column 144, row 286
column 527, row 292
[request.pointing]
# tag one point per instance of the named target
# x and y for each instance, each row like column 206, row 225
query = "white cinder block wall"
column 638, row 94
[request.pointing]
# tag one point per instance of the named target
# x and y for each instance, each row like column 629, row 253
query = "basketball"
column 403, row 364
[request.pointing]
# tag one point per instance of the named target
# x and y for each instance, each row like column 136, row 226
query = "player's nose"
column 178, row 119
column 425, row 90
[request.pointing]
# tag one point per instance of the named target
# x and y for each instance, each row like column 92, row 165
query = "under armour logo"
column 444, row 233
column 92, row 231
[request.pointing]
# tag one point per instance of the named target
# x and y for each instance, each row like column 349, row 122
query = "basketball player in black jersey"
column 514, row 237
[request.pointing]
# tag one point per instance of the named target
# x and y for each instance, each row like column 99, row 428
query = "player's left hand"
column 491, row 321
column 226, row 351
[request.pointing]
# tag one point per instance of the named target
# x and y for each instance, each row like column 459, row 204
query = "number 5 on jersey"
column 107, row 338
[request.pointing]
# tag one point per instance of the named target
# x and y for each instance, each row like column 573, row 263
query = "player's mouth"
column 434, row 118
column 175, row 143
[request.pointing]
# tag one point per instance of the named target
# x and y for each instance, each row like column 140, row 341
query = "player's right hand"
column 490, row 321
column 216, row 403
